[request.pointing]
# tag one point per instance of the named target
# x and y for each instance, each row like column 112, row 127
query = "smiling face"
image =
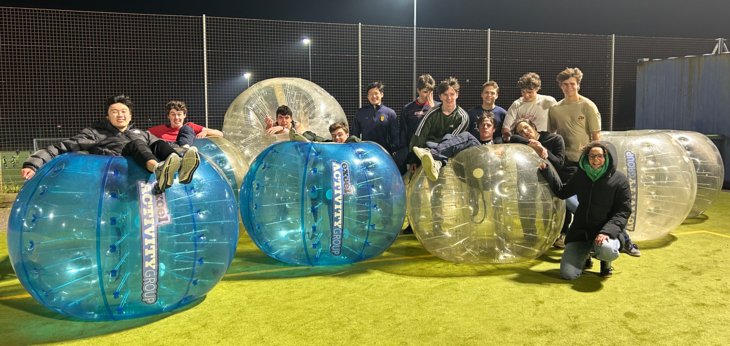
column 119, row 115
column 339, row 136
column 570, row 87
column 529, row 95
column 375, row 96
column 525, row 130
column 489, row 95
column 284, row 121
column 596, row 157
column 448, row 98
column 177, row 118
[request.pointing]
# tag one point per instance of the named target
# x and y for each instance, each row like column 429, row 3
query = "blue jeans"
column 185, row 136
column 572, row 203
column 451, row 145
column 576, row 254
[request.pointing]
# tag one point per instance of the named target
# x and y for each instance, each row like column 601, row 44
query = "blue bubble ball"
column 323, row 203
column 226, row 157
column 88, row 238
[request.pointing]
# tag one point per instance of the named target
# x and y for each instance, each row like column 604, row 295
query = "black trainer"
column 589, row 264
column 631, row 249
column 606, row 269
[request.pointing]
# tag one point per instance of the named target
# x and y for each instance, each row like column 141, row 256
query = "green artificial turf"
column 677, row 293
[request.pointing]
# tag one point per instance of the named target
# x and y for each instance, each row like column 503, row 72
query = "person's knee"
column 608, row 251
column 570, row 273
column 569, row 268
column 133, row 146
column 185, row 136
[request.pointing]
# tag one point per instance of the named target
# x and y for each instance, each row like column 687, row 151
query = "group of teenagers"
column 165, row 150
column 565, row 134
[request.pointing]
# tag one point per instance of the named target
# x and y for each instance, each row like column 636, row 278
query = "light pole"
column 307, row 42
column 247, row 75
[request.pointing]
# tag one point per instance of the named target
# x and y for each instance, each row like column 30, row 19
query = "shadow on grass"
column 6, row 269
column 588, row 282
column 406, row 257
column 27, row 322
column 699, row 219
column 665, row 241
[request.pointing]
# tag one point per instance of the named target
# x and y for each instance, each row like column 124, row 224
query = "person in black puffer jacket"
column 604, row 207
column 115, row 136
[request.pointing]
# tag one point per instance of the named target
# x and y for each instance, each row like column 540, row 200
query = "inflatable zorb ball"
column 88, row 238
column 323, row 203
column 709, row 168
column 489, row 205
column 313, row 108
column 662, row 181
column 226, row 156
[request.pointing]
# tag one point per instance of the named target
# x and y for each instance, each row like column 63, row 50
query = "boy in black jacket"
column 116, row 136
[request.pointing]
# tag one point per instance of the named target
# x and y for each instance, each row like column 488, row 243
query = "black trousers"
column 141, row 152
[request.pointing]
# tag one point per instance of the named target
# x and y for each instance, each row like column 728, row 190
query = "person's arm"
column 556, row 150
column 402, row 129
column 620, row 209
column 509, row 120
column 275, row 129
column 541, row 151
column 473, row 128
column 268, row 121
column 593, row 120
column 552, row 126
column 422, row 131
column 518, row 139
column 200, row 131
column 208, row 132
column 356, row 127
column 560, row 190
column 79, row 142
column 394, row 134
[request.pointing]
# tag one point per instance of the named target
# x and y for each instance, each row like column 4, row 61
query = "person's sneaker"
column 560, row 242
column 165, row 172
column 190, row 163
column 421, row 152
column 606, row 270
column 430, row 166
column 632, row 250
column 589, row 264
column 294, row 136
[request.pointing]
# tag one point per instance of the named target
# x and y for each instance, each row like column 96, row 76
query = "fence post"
column 205, row 72
column 610, row 107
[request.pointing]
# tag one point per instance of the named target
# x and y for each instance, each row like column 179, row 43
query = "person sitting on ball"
column 116, row 136
column 339, row 131
column 284, row 122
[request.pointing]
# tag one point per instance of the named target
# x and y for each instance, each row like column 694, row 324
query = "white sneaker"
column 421, row 152
column 165, row 172
column 190, row 163
column 431, row 166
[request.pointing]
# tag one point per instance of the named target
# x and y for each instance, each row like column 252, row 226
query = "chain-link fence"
column 57, row 67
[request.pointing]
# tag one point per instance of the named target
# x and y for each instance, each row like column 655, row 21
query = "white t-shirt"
column 536, row 110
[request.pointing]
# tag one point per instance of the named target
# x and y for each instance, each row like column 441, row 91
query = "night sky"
column 670, row 18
